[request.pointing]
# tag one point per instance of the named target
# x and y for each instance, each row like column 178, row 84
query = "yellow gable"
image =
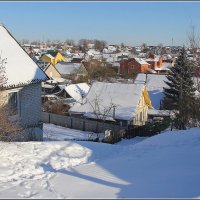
column 146, row 97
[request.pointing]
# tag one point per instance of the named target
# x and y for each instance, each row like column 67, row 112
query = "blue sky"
column 133, row 23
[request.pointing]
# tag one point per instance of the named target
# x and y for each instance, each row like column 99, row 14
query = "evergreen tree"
column 179, row 95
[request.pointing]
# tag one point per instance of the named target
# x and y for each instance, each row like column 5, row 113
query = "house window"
column 13, row 102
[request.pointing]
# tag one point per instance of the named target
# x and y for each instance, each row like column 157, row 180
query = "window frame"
column 18, row 110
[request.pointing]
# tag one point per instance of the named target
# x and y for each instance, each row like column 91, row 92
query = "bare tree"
column 122, row 45
column 83, row 44
column 3, row 78
column 100, row 111
column 25, row 41
column 7, row 128
column 70, row 42
column 194, row 41
column 99, row 45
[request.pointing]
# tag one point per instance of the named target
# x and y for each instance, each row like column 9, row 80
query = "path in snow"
column 163, row 166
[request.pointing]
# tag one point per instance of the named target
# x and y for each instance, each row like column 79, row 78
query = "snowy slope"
column 165, row 165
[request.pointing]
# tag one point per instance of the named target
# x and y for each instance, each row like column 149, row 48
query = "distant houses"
column 151, row 63
column 134, row 65
column 71, row 70
column 52, row 57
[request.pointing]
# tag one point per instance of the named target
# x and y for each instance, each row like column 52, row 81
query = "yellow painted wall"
column 59, row 57
column 46, row 58
column 141, row 115
column 55, row 60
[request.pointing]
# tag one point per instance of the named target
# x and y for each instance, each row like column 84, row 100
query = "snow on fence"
column 80, row 124
column 113, row 133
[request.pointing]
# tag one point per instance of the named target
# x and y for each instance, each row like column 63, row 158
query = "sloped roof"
column 155, row 84
column 20, row 69
column 156, row 59
column 124, row 96
column 49, row 55
column 78, row 91
column 53, row 53
column 141, row 61
column 67, row 68
column 164, row 66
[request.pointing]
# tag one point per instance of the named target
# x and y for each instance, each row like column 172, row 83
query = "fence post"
column 71, row 123
column 83, row 128
column 97, row 127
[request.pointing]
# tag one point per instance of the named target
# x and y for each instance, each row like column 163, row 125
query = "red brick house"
column 131, row 65
column 155, row 61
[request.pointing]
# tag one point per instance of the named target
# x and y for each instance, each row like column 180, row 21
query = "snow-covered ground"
column 52, row 132
column 165, row 165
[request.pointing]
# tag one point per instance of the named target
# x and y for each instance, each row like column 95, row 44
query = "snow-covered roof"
column 47, row 86
column 93, row 116
column 67, row 68
column 93, row 52
column 155, row 84
column 164, row 66
column 125, row 98
column 50, row 96
column 20, row 69
column 77, row 91
column 141, row 61
column 166, row 56
column 156, row 112
column 61, row 80
column 156, row 59
column 49, row 55
column 97, row 56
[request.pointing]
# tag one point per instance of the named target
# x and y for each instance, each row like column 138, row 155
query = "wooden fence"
column 116, row 132
column 79, row 123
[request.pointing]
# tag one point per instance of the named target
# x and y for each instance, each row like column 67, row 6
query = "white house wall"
column 29, row 109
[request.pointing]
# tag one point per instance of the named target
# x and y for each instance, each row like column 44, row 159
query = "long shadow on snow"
column 73, row 172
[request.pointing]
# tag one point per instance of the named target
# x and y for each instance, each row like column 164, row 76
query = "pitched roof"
column 155, row 84
column 53, row 53
column 67, row 68
column 141, row 61
column 76, row 91
column 124, row 96
column 156, row 59
column 49, row 55
column 20, row 69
